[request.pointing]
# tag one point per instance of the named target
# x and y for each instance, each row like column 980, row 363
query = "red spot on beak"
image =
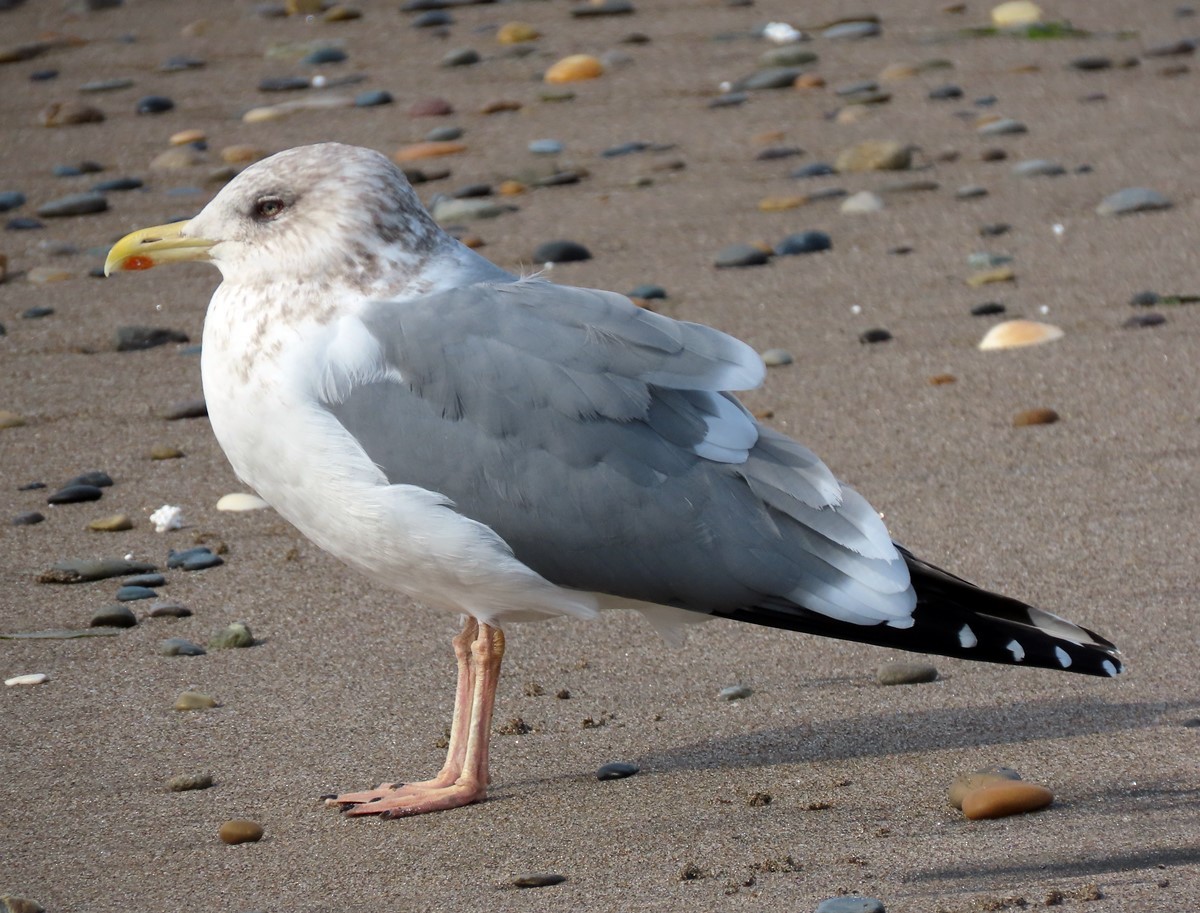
column 135, row 262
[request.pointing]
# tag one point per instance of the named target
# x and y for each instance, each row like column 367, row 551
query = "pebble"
column 179, row 63
column 517, row 33
column 432, row 19
column 777, row 358
column 69, row 113
column 180, row 646
column 373, row 98
column 321, row 56
column 984, row 776
column 11, row 199
column 20, row 904
column 177, row 158
column 461, row 57
column 416, row 151
column 88, row 569
column 450, row 210
column 188, row 408
column 874, row 335
column 734, row 693
column 75, row 494
column 906, row 673
column 1038, row 416
column 284, row 109
column 131, row 593
column 1132, row 199
column 736, row 255
column 154, row 104
column 862, row 202
column 616, row 770
column 537, row 881
column 648, row 292
column 813, row 170
column 1138, row 321
column 874, row 155
column 75, row 204
column 575, row 68
column 194, row 559
column 851, row 903
column 44, row 275
column 113, row 524
column 113, row 616
column 561, row 252
column 137, row 338
column 23, row 223
column 852, row 31
column 545, row 147
column 28, row 518
column 106, row 85
column 29, row 678
column 431, row 107
column 941, row 380
column 241, row 501
column 944, row 93
column 183, row 783
column 1001, row 126
column 987, row 309
column 970, row 192
column 242, row 154
column 194, row 700
column 805, row 242
column 1013, row 334
column 999, row 800
column 991, row 276
column 789, row 55
column 13, row 420
column 37, row 313
column 1016, row 13
column 117, row 185
column 602, row 8
column 240, row 830
column 169, row 610
column 284, row 84
column 231, row 637
column 769, row 78
column 1034, row 168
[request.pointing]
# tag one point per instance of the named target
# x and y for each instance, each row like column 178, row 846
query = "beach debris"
column 1013, row 334
column 166, row 518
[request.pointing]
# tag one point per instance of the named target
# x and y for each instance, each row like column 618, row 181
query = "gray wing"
column 598, row 441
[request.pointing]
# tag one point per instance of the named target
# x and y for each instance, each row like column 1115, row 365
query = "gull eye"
column 267, row 208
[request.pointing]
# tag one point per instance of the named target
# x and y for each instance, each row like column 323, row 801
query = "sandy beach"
column 821, row 782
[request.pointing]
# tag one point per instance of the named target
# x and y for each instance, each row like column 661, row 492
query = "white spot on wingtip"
column 967, row 638
column 1063, row 657
column 1108, row 667
column 1016, row 650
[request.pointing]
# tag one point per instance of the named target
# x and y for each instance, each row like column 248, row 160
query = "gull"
column 505, row 449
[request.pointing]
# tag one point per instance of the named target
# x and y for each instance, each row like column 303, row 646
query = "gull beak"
column 149, row 247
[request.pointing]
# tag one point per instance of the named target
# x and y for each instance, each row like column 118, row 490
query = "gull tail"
column 956, row 618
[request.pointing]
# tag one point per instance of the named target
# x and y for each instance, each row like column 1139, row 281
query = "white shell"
column 241, row 500
column 1013, row 334
column 33, row 678
column 166, row 518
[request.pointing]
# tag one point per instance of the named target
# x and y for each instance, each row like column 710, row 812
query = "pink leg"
column 463, row 779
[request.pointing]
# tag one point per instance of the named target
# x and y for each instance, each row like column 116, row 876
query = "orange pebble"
column 575, row 68
column 999, row 800
column 415, row 151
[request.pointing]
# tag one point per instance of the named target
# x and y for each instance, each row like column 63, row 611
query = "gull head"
column 321, row 214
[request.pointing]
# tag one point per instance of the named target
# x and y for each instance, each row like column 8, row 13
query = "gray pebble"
column 1004, row 126
column 23, row 223
column 874, row 335
column 28, row 518
column 852, row 31
column 179, row 62
column 944, row 93
column 1138, row 321
column 432, row 19
column 146, row 580
column 188, row 408
column 602, row 8
column 75, row 204
column 988, row 309
column 545, row 147
column 813, row 170
column 448, row 133
column 154, row 104
column 983, row 259
column 194, row 559
column 447, row 210
column 284, row 84
column 852, row 903
column 180, row 646
column 136, row 338
column 461, row 57
column 36, row 313
column 648, row 292
column 96, row 477
column 1091, row 62
column 616, row 770
column 1132, row 199
column 734, row 693
column 774, row 153
column 970, row 192
column 113, row 185
column 322, row 56
column 75, row 494
column 113, row 616
column 769, row 78
column 728, row 100
column 129, row 593
column 106, row 85
column 1033, row 168
column 628, row 147
column 76, row 570
column 788, row 55
column 804, row 242
column 169, row 610
column 905, row 673
column 777, row 358
column 736, row 255
column 373, row 98
column 561, row 252
column 11, row 199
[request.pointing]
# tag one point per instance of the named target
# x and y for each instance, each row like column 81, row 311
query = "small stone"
column 1132, row 199
column 906, row 673
column 416, row 151
column 602, row 8
column 516, row 33
column 813, row 170
column 29, row 678
column 575, row 68
column 285, row 84
column 734, row 693
column 154, row 104
column 1015, row 14
column 137, row 338
column 75, row 494
column 984, row 776
column 373, row 98
column 118, row 185
column 1039, row 416
column 130, row 593
column 852, row 31
column 874, row 335
column 180, row 646
column 28, row 518
column 738, row 255
column 545, row 147
column 194, row 700
column 241, row 501
column 169, row 610
column 1035, row 168
column 164, row 452
column 194, row 559
column 233, row 636
column 851, row 903
column 106, row 85
column 500, row 106
column 991, row 276
column 999, row 800
column 994, row 229
column 113, row 524
column 20, row 905
column 75, row 204
column 240, row 830
column 874, row 155
column 776, row 358
column 11, row 199
column 177, row 158
column 242, row 154
column 461, row 57
column 431, row 107
column 321, row 56
column 1017, row 333
column 561, row 252
column 450, row 210
column 1138, row 321
column 944, row 93
column 862, row 202
column 113, row 616
column 183, row 783
column 146, row 580
column 537, row 881
column 988, row 309
column 805, row 242
column 648, row 292
column 941, row 380
column 970, row 192
column 188, row 408
column 85, row 570
column 616, row 770
column 1001, row 126
column 179, row 63
column 1091, row 62
column 69, row 113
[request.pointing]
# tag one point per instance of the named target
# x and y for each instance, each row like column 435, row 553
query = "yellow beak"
column 149, row 247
